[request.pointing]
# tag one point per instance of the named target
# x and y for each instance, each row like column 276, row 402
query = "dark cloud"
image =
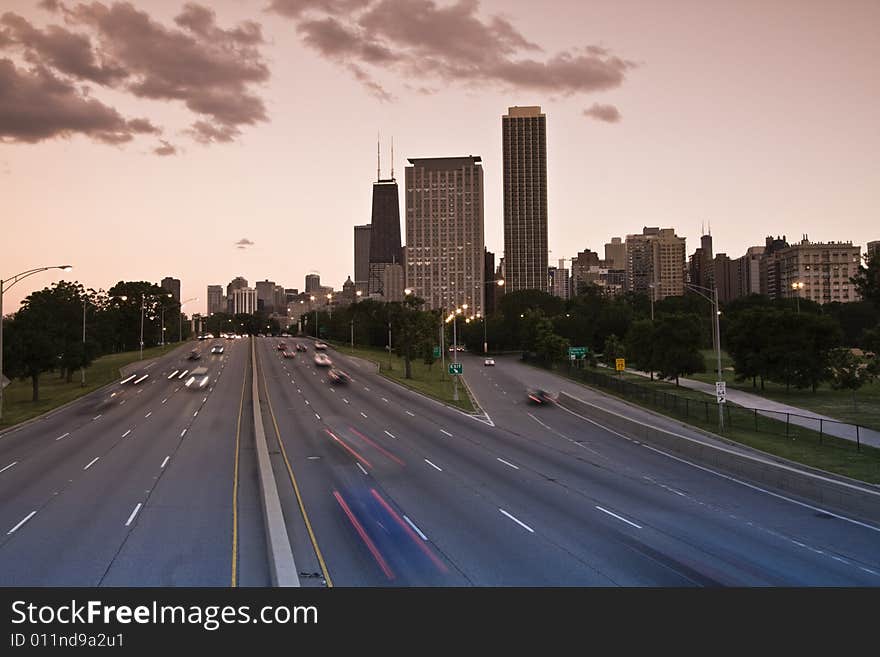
column 49, row 5
column 244, row 241
column 607, row 113
column 63, row 50
column 36, row 105
column 165, row 148
column 421, row 39
column 203, row 22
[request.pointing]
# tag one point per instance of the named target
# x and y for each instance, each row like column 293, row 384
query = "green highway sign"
column 436, row 351
column 455, row 368
column 577, row 352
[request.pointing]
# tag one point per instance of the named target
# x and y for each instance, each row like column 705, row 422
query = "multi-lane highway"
column 381, row 486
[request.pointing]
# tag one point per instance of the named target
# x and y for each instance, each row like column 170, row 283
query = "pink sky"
column 759, row 117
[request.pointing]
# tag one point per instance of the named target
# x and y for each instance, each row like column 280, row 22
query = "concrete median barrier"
column 838, row 493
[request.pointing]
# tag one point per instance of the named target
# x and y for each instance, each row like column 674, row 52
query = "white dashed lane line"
column 64, row 436
column 91, row 463
column 363, row 414
column 415, row 529
column 8, row 466
column 446, row 432
column 21, row 522
column 508, row 463
column 133, row 514
column 411, row 414
column 126, row 433
column 391, row 435
column 165, row 462
column 360, row 467
column 621, row 518
column 148, row 415
column 517, row 521
column 436, row 467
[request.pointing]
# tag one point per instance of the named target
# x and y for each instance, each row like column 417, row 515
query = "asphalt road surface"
column 380, row 486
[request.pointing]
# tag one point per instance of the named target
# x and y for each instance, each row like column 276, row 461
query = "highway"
column 401, row 490
column 134, row 486
column 380, row 486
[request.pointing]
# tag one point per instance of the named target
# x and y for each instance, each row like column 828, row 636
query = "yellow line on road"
column 302, row 507
column 235, row 483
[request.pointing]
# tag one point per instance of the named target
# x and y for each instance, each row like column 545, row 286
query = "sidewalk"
column 778, row 411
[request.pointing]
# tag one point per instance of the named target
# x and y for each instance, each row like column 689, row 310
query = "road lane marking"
column 515, row 467
column 317, row 416
column 164, row 463
column 143, row 378
column 8, row 466
column 446, row 432
column 183, row 433
column 410, row 414
column 204, row 399
column 97, row 417
column 345, row 400
column 91, row 463
column 133, row 514
column 126, row 433
column 196, row 413
column 387, row 402
column 356, row 463
column 415, row 529
column 388, row 433
column 124, row 381
column 618, row 517
column 366, row 388
column 517, row 521
column 122, row 402
column 182, row 374
column 64, row 436
column 21, row 522
column 359, row 528
column 364, row 414
column 165, row 400
column 148, row 415
column 436, row 467
column 173, row 374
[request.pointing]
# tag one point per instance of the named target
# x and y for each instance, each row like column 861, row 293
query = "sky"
column 238, row 137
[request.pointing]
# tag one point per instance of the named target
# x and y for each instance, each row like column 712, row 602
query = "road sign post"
column 436, row 351
column 721, row 392
column 620, row 364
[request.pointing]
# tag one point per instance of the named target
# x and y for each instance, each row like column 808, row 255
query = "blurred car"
column 195, row 354
column 460, row 348
column 281, row 346
column 301, row 347
column 198, row 378
column 338, row 376
column 217, row 349
column 320, row 346
column 321, row 360
column 489, row 362
column 539, row 396
column 288, row 354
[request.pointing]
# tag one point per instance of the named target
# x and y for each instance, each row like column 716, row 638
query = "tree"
column 748, row 335
column 677, row 346
column 412, row 328
column 799, row 349
column 28, row 350
column 639, row 344
column 612, row 350
column 850, row 372
column 867, row 280
column 549, row 346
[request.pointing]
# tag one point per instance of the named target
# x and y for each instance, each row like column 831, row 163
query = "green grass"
column 430, row 381
column 54, row 391
column 826, row 400
column 801, row 445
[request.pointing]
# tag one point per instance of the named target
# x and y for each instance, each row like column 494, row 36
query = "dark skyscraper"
column 172, row 285
column 524, row 142
column 385, row 247
column 362, row 257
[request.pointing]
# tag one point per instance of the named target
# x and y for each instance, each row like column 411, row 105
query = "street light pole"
column 82, row 369
column 716, row 326
column 455, row 353
column 389, row 345
column 15, row 279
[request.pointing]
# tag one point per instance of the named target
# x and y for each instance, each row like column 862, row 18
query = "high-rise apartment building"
column 362, row 257
column 524, row 144
column 235, row 284
column 216, row 302
column 584, row 270
column 172, row 285
column 558, row 280
column 700, row 267
column 615, row 254
column 313, row 283
column 266, row 295
column 444, row 231
column 490, row 281
column 873, row 249
column 655, row 263
column 244, row 300
column 819, row 271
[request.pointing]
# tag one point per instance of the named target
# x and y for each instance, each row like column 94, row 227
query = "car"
column 459, row 348
column 338, row 376
column 321, row 360
column 489, row 362
column 288, row 354
column 195, row 354
column 198, row 378
column 539, row 396
column 320, row 346
column 217, row 349
column 451, row 348
column 301, row 347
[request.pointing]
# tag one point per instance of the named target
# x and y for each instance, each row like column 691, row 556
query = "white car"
column 489, row 362
column 320, row 346
column 198, row 378
column 321, row 360
column 217, row 349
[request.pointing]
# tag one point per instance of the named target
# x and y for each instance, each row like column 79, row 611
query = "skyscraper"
column 313, row 283
column 216, row 303
column 444, row 231
column 266, row 295
column 235, row 284
column 385, row 248
column 362, row 257
column 655, row 263
column 524, row 137
column 244, row 300
column 172, row 285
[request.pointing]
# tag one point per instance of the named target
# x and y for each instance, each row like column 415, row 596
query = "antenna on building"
column 392, row 157
column 702, row 228
column 378, row 160
column 710, row 229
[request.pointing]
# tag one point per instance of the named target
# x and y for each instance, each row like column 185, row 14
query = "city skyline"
column 754, row 153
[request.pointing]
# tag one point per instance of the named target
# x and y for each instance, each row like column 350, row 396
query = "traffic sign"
column 721, row 392
column 620, row 364
column 455, row 368
column 436, row 351
column 577, row 352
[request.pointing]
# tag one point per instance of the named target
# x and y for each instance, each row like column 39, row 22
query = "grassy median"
column 427, row 380
column 794, row 443
column 55, row 391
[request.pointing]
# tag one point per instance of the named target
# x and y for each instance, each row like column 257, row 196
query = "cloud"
column 36, row 105
column 213, row 71
column 165, row 148
column 244, row 242
column 607, row 113
column 49, row 5
column 422, row 40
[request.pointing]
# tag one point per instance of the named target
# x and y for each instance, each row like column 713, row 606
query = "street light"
column 180, row 318
column 500, row 283
column 716, row 311
column 313, row 299
column 143, row 301
column 12, row 280
column 653, row 287
column 452, row 318
column 797, row 287
column 330, row 304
